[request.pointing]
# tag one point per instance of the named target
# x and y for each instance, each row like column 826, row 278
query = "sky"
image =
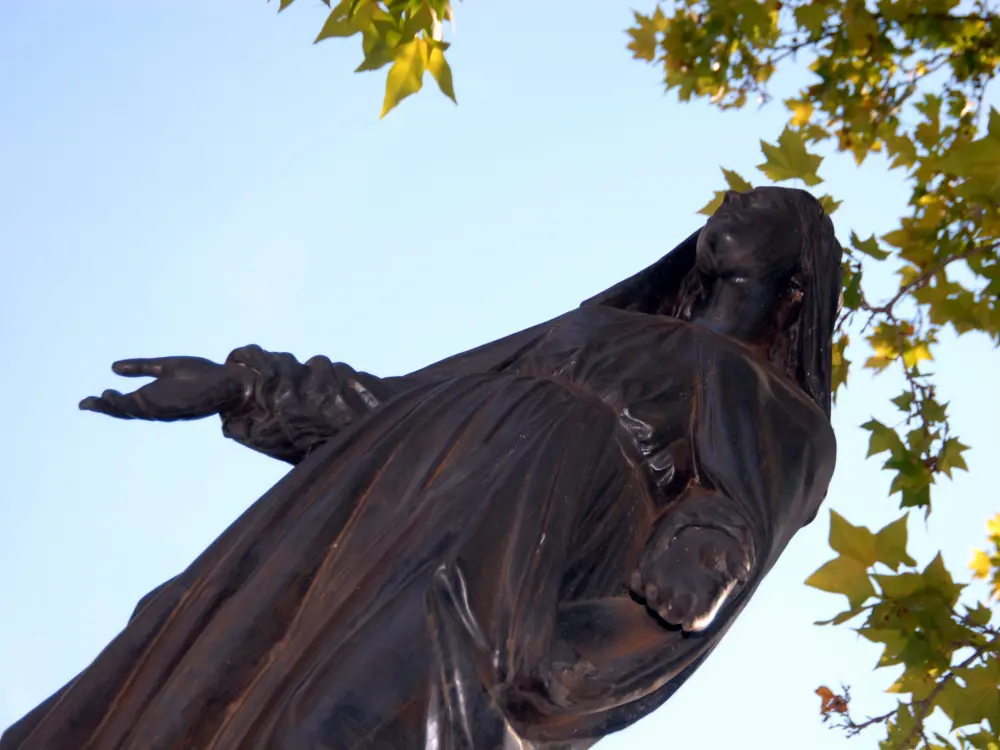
column 187, row 178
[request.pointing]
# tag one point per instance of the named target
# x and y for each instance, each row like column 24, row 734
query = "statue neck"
column 739, row 309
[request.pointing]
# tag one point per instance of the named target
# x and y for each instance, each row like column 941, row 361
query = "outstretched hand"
column 184, row 388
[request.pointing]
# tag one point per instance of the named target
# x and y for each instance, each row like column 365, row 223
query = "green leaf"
column 882, row 439
column 978, row 699
column 869, row 247
column 983, row 740
column 903, row 401
column 932, row 411
column 829, row 204
column 894, row 643
column 643, row 36
column 937, row 578
column 915, row 680
column 978, row 163
column 851, row 292
column 980, row 614
column 951, row 457
column 789, row 159
column 736, row 182
column 811, row 17
column 855, row 542
column 900, row 586
column 841, row 618
column 912, row 496
column 406, row 76
column 890, row 544
column 846, row 576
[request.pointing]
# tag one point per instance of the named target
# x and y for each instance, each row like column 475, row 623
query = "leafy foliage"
column 907, row 79
column 904, row 79
column 407, row 35
column 948, row 651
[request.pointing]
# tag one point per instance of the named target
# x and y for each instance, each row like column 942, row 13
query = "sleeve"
column 773, row 457
column 295, row 407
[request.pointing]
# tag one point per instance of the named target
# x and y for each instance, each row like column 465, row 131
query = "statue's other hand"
column 687, row 578
column 183, row 388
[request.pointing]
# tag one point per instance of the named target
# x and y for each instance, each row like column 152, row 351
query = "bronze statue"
column 528, row 545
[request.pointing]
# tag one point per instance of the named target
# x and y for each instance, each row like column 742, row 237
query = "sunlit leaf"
column 439, row 68
column 890, row 544
column 790, row 160
column 406, row 76
column 855, row 542
column 736, row 182
column 846, row 576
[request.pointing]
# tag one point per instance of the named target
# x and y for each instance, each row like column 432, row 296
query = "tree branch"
column 926, row 276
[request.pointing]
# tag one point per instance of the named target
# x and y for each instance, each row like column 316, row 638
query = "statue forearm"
column 291, row 407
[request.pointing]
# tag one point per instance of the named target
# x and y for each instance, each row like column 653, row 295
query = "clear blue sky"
column 186, row 178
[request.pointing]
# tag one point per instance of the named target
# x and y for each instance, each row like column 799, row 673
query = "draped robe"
column 446, row 565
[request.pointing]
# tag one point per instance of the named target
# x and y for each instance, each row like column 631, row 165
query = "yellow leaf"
column 713, row 205
column 406, row 76
column 801, row 113
column 841, row 364
column 919, row 353
column 980, row 564
column 441, row 70
column 342, row 22
column 993, row 526
column 885, row 355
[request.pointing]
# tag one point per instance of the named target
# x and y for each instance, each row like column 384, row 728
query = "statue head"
column 765, row 269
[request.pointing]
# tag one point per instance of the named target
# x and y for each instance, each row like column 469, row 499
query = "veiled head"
column 756, row 235
column 766, row 265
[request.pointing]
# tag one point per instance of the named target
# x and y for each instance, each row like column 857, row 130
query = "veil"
column 805, row 348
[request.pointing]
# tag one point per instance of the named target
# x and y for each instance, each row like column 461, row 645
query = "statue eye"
column 796, row 290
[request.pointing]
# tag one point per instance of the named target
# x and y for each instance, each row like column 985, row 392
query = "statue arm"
column 292, row 407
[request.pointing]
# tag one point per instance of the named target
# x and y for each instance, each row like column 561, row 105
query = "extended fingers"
column 152, row 367
column 158, row 367
column 114, row 404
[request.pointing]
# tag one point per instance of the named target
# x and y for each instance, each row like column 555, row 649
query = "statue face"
column 754, row 236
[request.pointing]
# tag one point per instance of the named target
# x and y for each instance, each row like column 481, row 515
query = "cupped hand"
column 183, row 388
column 686, row 579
